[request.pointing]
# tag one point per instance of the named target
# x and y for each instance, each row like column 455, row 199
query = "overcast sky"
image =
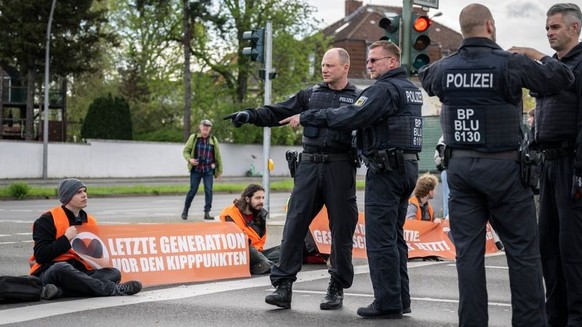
column 518, row 22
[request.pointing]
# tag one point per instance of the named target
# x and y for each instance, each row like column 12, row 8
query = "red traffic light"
column 422, row 23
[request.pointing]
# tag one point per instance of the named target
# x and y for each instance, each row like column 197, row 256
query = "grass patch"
column 285, row 185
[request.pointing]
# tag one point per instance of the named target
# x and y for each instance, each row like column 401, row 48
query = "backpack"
column 20, row 289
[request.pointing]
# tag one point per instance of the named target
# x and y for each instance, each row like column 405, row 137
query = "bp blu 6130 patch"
column 361, row 101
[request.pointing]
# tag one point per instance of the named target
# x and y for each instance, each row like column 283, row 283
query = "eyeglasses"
column 373, row 60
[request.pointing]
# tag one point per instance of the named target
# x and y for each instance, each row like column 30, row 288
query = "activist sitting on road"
column 56, row 262
column 419, row 207
column 248, row 214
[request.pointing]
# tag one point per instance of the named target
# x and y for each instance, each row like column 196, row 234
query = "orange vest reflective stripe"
column 61, row 224
column 414, row 201
column 232, row 211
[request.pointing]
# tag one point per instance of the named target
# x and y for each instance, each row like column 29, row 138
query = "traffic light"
column 257, row 49
column 391, row 27
column 419, row 42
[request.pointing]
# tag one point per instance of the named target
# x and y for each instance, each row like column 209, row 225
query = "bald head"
column 341, row 53
column 476, row 21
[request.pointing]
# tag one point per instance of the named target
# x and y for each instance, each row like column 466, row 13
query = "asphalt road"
column 238, row 302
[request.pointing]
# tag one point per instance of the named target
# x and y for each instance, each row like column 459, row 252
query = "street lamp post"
column 46, row 94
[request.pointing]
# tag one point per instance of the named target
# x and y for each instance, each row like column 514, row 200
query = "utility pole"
column 46, row 95
column 267, row 100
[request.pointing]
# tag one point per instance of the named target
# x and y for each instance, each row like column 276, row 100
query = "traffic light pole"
column 405, row 43
column 267, row 100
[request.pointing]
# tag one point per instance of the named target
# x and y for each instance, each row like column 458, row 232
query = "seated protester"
column 248, row 214
column 55, row 262
column 418, row 206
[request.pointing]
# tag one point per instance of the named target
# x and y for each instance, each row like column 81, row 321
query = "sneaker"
column 261, row 268
column 50, row 291
column 207, row 216
column 128, row 288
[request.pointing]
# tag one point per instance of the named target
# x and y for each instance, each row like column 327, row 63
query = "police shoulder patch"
column 361, row 101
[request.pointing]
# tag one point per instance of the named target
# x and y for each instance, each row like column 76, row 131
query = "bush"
column 18, row 190
column 108, row 118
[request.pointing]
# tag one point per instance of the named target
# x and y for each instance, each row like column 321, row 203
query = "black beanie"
column 67, row 188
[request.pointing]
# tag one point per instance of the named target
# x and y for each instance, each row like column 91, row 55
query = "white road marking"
column 48, row 309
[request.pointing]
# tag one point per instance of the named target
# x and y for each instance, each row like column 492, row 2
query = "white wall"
column 124, row 159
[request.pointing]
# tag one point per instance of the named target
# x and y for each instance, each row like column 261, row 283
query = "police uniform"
column 558, row 134
column 388, row 118
column 326, row 176
column 480, row 88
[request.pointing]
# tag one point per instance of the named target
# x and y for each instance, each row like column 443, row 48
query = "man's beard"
column 256, row 210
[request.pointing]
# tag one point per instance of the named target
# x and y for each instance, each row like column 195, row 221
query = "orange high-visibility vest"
column 415, row 201
column 61, row 224
column 232, row 211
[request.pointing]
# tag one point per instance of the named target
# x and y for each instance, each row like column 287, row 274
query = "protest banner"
column 167, row 253
column 424, row 238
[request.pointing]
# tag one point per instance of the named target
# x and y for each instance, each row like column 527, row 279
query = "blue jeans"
column 195, row 178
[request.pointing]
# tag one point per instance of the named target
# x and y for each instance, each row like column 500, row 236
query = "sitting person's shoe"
column 334, row 298
column 282, row 295
column 128, row 288
column 371, row 312
column 261, row 268
column 50, row 291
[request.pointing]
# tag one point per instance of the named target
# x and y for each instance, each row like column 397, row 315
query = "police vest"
column 403, row 130
column 258, row 242
column 476, row 114
column 556, row 116
column 322, row 138
column 61, row 224
column 414, row 200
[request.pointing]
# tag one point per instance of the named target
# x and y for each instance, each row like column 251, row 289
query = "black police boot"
column 207, row 215
column 371, row 312
column 185, row 213
column 282, row 295
column 334, row 298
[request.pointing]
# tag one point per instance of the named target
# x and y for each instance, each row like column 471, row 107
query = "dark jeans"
column 73, row 282
column 195, row 178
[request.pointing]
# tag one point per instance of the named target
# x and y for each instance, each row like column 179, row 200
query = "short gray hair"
column 570, row 12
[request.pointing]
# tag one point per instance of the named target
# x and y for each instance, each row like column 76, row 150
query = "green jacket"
column 188, row 152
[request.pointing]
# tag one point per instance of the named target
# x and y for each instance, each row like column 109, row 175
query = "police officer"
column 326, row 175
column 480, row 87
column 558, row 134
column 388, row 118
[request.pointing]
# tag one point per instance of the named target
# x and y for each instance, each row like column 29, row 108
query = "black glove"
column 239, row 118
column 576, row 187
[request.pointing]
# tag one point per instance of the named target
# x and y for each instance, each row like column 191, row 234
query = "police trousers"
column 488, row 189
column 386, row 202
column 332, row 184
column 560, row 226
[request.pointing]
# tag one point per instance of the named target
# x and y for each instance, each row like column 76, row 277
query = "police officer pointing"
column 388, row 118
column 326, row 175
column 480, row 88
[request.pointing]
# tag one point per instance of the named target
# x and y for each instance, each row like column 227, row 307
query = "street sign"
column 427, row 3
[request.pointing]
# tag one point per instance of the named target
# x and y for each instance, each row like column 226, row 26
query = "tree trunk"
column 30, row 76
column 187, row 74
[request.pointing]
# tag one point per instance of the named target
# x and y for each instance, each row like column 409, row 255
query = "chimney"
column 352, row 5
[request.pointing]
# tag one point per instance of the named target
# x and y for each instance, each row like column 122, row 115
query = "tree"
column 108, row 118
column 76, row 33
